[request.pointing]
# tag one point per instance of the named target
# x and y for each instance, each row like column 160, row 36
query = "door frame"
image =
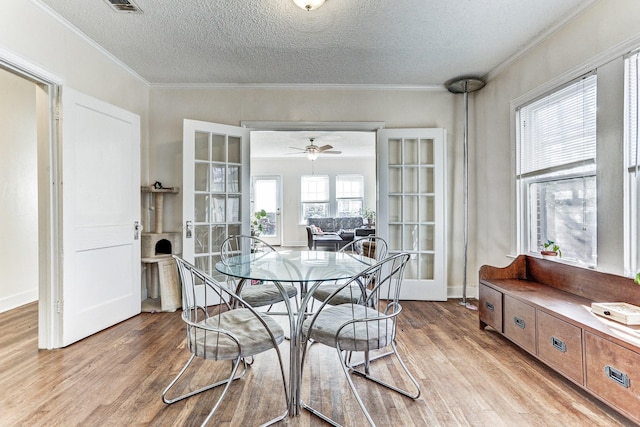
column 49, row 208
column 279, row 200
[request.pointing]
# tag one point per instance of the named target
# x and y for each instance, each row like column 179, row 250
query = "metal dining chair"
column 218, row 331
column 257, row 294
column 366, row 327
column 370, row 246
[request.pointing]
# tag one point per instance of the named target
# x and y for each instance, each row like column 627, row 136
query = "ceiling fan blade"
column 297, row 148
column 324, row 148
column 332, row 152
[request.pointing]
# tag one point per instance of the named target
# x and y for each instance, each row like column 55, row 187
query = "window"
column 556, row 171
column 315, row 196
column 349, row 195
column 632, row 163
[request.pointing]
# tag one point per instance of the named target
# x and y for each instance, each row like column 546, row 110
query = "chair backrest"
column 309, row 237
column 382, row 281
column 371, row 246
column 200, row 292
column 206, row 308
column 243, row 245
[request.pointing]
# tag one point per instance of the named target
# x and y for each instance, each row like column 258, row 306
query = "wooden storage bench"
column 545, row 307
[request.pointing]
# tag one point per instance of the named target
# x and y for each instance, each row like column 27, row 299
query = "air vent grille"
column 124, row 6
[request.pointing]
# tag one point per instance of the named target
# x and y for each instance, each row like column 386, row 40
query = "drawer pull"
column 558, row 344
column 618, row 376
column 489, row 306
column 519, row 322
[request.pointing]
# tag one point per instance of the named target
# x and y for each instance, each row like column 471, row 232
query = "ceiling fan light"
column 312, row 155
column 309, row 4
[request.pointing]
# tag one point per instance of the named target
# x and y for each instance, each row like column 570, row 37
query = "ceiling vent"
column 126, row 6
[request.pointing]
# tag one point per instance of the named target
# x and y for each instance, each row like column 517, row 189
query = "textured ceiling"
column 345, row 42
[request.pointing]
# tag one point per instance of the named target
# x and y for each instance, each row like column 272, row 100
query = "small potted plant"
column 550, row 249
column 258, row 222
column 369, row 215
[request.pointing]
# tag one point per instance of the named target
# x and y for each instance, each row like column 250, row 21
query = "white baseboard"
column 456, row 291
column 16, row 300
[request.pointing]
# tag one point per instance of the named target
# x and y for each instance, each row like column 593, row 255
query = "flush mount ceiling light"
column 309, row 4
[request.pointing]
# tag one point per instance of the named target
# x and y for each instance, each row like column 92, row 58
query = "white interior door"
column 411, row 211
column 267, row 196
column 101, row 207
column 216, row 186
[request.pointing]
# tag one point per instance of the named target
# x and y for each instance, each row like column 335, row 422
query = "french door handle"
column 188, row 229
column 137, row 229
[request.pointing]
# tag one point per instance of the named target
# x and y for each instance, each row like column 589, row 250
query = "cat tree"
column 160, row 274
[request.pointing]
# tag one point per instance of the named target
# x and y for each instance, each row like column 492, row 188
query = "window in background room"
column 315, row 196
column 349, row 195
column 632, row 163
column 556, row 171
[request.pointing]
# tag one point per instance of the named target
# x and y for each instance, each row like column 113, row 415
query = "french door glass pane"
column 201, row 239
column 202, row 146
column 217, row 178
column 201, row 175
column 218, row 148
column 201, row 207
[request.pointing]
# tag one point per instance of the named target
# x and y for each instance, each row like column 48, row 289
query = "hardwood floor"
column 115, row 378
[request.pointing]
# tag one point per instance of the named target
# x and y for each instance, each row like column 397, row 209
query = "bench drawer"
column 490, row 307
column 560, row 346
column 520, row 323
column 613, row 374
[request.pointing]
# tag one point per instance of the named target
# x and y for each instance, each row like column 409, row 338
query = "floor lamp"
column 465, row 85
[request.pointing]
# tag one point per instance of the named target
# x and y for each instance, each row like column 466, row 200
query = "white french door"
column 100, row 214
column 411, row 211
column 215, row 199
column 267, row 196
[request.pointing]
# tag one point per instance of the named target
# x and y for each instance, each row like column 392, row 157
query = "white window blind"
column 632, row 162
column 315, row 188
column 559, row 129
column 631, row 109
column 349, row 186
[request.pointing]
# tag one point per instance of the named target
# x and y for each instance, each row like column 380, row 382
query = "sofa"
column 331, row 232
column 335, row 225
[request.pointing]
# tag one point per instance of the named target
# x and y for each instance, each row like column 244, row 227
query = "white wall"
column 396, row 108
column 18, row 192
column 291, row 169
column 595, row 39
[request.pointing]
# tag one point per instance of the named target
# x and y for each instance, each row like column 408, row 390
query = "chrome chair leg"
column 200, row 390
column 366, row 374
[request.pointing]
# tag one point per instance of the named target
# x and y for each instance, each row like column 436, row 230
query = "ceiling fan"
column 312, row 151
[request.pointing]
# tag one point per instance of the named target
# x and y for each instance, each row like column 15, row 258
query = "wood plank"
column 116, row 377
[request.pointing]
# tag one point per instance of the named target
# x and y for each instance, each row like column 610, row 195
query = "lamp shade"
column 309, row 4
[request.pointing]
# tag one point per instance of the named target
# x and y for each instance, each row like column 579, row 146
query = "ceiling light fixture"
column 309, row 4
column 311, row 155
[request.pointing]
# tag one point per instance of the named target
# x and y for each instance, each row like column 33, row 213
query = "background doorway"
column 267, row 197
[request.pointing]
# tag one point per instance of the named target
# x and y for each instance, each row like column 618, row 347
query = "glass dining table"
column 306, row 269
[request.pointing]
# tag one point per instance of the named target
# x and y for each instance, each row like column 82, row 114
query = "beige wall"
column 595, row 39
column 31, row 33
column 396, row 108
column 18, row 192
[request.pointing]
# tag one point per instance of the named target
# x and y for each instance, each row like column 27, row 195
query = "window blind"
column 558, row 129
column 315, row 188
column 631, row 109
column 349, row 186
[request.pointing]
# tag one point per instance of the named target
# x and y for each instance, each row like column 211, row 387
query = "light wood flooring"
column 115, row 378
